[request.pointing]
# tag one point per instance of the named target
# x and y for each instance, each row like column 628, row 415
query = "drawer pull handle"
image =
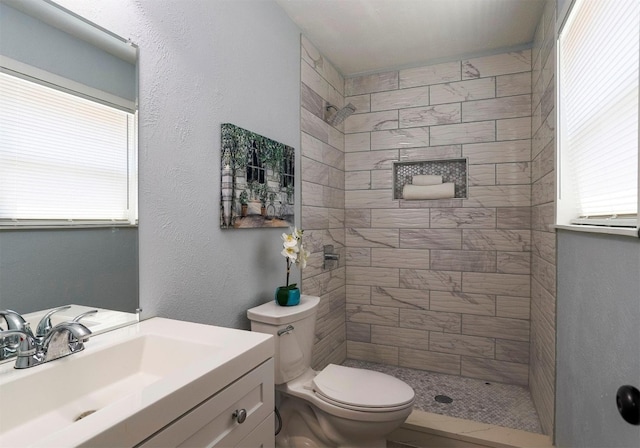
column 240, row 415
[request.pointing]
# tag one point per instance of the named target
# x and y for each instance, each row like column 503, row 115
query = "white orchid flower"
column 290, row 252
column 293, row 250
column 302, row 257
column 289, row 240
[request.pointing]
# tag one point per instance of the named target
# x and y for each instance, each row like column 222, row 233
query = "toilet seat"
column 362, row 390
column 361, row 408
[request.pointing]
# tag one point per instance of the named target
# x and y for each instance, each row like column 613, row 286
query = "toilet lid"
column 362, row 388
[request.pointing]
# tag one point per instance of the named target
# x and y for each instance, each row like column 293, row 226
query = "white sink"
column 161, row 366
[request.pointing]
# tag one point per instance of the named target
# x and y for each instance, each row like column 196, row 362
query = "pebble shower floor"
column 481, row 401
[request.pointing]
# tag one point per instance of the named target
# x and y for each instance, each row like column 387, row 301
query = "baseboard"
column 425, row 429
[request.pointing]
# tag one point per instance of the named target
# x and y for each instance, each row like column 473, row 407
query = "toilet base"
column 300, row 428
column 306, row 427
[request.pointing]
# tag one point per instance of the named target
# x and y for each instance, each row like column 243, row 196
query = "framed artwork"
column 258, row 178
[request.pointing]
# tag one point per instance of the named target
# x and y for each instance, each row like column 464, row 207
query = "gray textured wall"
column 42, row 269
column 203, row 63
column 598, row 334
column 33, row 42
column 562, row 4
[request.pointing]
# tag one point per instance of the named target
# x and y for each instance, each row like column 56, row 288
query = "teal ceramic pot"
column 287, row 297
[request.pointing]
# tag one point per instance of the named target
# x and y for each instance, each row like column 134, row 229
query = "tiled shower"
column 439, row 285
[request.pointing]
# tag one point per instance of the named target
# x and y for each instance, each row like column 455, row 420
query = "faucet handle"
column 44, row 326
column 74, row 343
column 14, row 320
column 83, row 315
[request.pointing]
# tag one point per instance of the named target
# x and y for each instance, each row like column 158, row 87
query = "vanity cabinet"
column 240, row 415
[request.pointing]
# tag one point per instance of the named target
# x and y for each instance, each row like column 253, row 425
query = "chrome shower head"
column 341, row 114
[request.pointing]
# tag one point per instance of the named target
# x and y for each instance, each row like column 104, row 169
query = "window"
column 64, row 159
column 255, row 168
column 68, row 116
column 288, row 169
column 598, row 114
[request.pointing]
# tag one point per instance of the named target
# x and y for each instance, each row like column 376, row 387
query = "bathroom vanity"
column 156, row 383
column 235, row 416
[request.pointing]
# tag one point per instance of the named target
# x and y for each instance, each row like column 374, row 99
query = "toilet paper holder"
column 329, row 256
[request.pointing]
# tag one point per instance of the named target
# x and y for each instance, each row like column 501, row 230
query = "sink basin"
column 96, row 396
column 86, row 384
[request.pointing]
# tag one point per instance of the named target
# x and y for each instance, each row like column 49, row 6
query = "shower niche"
column 446, row 172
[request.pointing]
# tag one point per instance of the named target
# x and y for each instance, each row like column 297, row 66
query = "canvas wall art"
column 258, row 179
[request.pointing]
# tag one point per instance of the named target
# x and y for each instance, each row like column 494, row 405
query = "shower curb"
column 425, row 429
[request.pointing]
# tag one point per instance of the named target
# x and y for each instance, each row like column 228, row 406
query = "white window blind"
column 598, row 95
column 64, row 158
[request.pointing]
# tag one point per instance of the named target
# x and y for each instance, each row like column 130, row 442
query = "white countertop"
column 199, row 361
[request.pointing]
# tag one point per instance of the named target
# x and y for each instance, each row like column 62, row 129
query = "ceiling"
column 361, row 36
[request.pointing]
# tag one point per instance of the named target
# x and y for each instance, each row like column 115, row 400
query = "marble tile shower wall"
column 441, row 285
column 543, row 237
column 322, row 150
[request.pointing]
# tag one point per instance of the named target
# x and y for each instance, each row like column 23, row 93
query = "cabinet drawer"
column 262, row 436
column 212, row 423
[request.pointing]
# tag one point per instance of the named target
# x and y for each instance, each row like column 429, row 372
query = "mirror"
column 88, row 265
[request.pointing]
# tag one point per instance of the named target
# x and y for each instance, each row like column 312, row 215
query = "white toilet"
column 337, row 406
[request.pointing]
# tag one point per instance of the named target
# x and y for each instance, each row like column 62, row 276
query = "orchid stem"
column 288, row 269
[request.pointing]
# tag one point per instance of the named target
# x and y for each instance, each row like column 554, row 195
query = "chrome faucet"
column 47, row 344
column 62, row 340
column 9, row 344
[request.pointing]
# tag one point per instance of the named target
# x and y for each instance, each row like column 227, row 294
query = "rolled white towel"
column 426, row 179
column 417, row 192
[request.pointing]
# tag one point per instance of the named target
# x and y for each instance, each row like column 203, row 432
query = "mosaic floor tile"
column 482, row 401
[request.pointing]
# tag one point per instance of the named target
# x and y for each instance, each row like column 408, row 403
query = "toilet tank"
column 293, row 328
